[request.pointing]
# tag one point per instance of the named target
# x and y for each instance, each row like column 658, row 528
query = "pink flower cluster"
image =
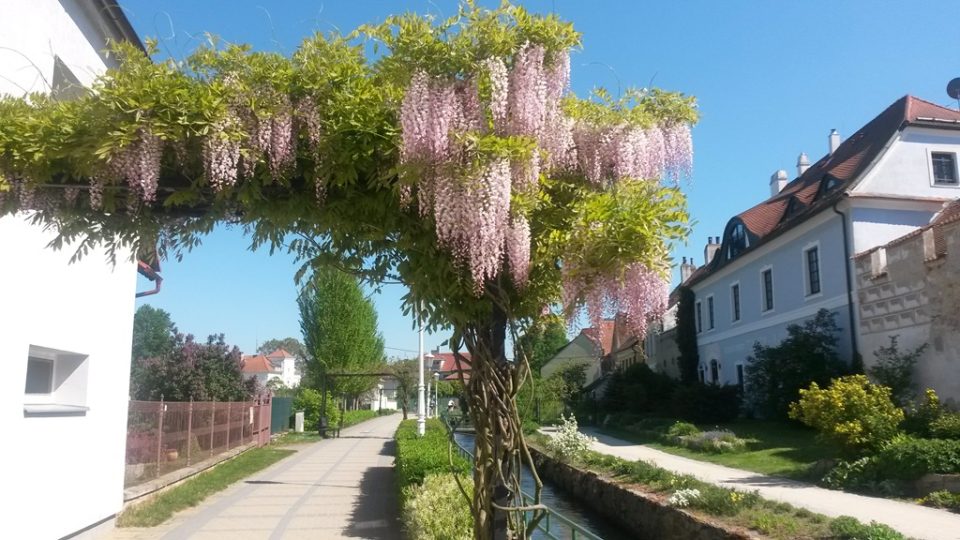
column 610, row 153
column 638, row 294
column 139, row 164
column 518, row 250
column 221, row 155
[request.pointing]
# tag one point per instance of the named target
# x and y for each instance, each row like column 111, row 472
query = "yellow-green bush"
column 852, row 412
column 436, row 510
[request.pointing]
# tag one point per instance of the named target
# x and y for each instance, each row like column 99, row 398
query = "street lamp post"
column 421, row 410
column 436, row 395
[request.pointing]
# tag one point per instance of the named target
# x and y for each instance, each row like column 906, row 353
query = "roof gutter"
column 846, row 266
column 115, row 22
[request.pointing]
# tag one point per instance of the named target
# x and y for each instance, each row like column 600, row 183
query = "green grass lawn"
column 774, row 448
column 193, row 491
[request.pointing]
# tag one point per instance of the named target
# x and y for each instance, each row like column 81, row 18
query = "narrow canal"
column 563, row 504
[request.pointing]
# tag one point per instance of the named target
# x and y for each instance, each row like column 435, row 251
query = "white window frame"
column 734, row 319
column 763, row 292
column 715, row 380
column 698, row 315
column 956, row 168
column 711, row 312
column 807, row 295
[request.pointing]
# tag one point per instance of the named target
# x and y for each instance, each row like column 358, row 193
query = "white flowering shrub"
column 683, row 497
column 569, row 443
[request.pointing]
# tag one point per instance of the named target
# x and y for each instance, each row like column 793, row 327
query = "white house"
column 791, row 255
column 279, row 364
column 65, row 329
column 908, row 288
column 587, row 349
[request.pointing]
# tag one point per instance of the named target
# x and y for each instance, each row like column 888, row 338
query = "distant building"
column 784, row 259
column 279, row 364
column 445, row 363
column 588, row 349
column 65, row 328
column 909, row 288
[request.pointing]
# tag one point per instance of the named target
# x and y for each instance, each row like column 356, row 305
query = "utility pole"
column 421, row 409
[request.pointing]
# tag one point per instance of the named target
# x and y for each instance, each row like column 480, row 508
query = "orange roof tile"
column 257, row 364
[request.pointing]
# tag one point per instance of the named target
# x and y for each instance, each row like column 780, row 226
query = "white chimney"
column 713, row 246
column 778, row 181
column 834, row 141
column 686, row 270
column 803, row 163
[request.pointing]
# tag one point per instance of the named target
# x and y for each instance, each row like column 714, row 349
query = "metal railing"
column 163, row 436
column 552, row 524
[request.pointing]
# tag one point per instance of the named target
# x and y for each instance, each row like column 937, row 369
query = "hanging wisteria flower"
column 282, row 148
column 221, row 154
column 518, row 250
column 139, row 164
column 527, row 98
column 499, row 91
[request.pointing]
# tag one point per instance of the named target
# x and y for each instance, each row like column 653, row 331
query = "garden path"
column 910, row 519
column 335, row 488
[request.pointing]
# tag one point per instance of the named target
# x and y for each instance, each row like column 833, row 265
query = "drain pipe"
column 150, row 273
column 846, row 268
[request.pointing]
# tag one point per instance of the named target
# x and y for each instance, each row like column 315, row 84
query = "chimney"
column 834, row 141
column 686, row 270
column 778, row 181
column 713, row 246
column 803, row 163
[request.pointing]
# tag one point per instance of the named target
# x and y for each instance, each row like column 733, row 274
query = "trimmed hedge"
column 907, row 458
column 419, row 456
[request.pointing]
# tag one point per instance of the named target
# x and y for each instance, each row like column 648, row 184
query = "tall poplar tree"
column 340, row 334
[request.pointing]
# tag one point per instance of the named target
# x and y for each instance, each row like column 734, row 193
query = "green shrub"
column 309, row 401
column 947, row 426
column 720, row 442
column 720, row 501
column 852, row 412
column 894, row 369
column 848, row 528
column 775, row 525
column 419, row 456
column 680, row 429
column 351, row 418
column 529, row 427
column 638, row 390
column 705, row 403
column 942, row 499
column 908, row 458
column 926, row 411
column 437, row 510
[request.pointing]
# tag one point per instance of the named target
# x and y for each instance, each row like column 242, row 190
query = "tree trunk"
column 491, row 392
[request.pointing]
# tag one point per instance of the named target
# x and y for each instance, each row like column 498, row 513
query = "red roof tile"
column 257, row 364
column 767, row 219
column 603, row 337
column 280, row 353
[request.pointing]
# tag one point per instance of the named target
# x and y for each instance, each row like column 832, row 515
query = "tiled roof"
column 257, row 364
column 280, row 353
column 767, row 220
column 605, row 334
column 446, row 363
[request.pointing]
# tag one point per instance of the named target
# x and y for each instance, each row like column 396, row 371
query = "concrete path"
column 910, row 519
column 336, row 488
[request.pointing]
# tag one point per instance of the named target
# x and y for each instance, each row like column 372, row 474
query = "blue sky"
column 771, row 79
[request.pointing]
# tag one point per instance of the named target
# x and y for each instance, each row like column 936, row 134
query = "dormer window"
column 737, row 242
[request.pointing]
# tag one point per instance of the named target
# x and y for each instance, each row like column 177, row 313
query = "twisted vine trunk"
column 491, row 391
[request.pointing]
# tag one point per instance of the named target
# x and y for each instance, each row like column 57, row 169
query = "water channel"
column 563, row 504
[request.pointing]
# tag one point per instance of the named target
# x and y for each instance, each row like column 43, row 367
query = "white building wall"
column 582, row 350
column 65, row 472
column 905, row 169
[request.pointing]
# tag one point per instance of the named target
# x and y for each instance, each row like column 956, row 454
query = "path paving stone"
column 336, row 488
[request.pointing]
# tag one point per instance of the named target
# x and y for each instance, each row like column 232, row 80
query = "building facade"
column 65, row 328
column 790, row 256
column 279, row 365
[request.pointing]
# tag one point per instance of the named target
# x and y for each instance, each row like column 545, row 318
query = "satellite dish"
column 953, row 88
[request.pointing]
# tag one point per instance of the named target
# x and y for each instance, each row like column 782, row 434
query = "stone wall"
column 909, row 289
column 643, row 515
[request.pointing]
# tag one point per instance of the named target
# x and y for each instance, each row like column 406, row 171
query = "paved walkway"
column 910, row 519
column 336, row 488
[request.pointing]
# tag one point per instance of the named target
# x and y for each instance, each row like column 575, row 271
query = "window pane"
column 813, row 270
column 735, row 293
column 710, row 310
column 699, row 318
column 39, row 376
column 944, row 168
column 767, row 290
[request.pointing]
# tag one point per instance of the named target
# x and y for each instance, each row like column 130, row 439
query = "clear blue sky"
column 771, row 78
